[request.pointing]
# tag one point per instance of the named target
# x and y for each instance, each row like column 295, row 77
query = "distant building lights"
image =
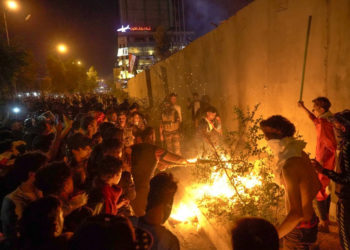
column 123, row 29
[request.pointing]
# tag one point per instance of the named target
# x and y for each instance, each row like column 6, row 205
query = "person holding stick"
column 326, row 147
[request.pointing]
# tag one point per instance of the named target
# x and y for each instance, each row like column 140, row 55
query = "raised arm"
column 308, row 112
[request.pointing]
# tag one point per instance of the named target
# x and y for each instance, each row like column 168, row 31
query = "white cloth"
column 178, row 109
column 284, row 149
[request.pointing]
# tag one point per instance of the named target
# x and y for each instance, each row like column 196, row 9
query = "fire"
column 219, row 186
column 185, row 212
column 192, row 160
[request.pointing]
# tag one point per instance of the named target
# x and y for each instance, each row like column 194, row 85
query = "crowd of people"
column 88, row 172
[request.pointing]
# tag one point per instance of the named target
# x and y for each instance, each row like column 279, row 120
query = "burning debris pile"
column 235, row 181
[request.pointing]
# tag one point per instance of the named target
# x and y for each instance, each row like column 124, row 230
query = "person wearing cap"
column 326, row 147
column 341, row 122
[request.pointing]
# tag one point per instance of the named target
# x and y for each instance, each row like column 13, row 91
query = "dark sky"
column 88, row 27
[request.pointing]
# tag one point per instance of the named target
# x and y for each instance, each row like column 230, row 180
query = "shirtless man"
column 295, row 174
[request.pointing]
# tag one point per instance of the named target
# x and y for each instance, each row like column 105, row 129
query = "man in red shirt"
column 325, row 152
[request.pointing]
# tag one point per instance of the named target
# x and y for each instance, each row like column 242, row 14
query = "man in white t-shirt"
column 173, row 101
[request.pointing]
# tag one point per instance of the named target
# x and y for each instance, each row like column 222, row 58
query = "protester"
column 341, row 122
column 146, row 158
column 326, row 147
column 159, row 205
column 194, row 106
column 173, row 101
column 41, row 226
column 78, row 153
column 294, row 172
column 105, row 232
column 105, row 195
column 57, row 180
column 170, row 128
column 209, row 134
column 26, row 192
column 89, row 126
column 254, row 234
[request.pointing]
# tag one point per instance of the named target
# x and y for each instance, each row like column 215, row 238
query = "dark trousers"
column 343, row 216
column 323, row 208
column 301, row 238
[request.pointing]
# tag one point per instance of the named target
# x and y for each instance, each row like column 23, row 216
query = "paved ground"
column 193, row 239
column 329, row 241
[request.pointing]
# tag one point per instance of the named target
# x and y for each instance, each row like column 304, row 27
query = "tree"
column 12, row 59
column 91, row 82
column 237, row 178
column 162, row 48
column 56, row 72
column 67, row 76
column 27, row 77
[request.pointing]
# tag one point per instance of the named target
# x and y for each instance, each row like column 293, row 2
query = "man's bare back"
column 301, row 186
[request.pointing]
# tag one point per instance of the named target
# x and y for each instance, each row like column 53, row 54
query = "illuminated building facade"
column 139, row 20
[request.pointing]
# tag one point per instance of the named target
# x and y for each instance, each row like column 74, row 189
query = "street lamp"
column 11, row 5
column 62, row 48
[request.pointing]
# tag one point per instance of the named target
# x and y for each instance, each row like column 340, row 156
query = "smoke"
column 205, row 15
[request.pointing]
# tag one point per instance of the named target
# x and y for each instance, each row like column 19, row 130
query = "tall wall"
column 256, row 56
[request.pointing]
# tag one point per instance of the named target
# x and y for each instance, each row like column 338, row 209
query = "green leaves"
column 247, row 158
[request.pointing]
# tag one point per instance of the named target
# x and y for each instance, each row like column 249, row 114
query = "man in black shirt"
column 145, row 159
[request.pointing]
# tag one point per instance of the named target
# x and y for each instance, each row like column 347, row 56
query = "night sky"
column 88, row 27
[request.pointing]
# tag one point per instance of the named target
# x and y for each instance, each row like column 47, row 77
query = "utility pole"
column 6, row 29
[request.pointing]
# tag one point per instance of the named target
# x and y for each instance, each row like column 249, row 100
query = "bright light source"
column 19, row 95
column 35, row 94
column 61, row 48
column 79, row 62
column 12, row 5
column 27, row 94
column 16, row 110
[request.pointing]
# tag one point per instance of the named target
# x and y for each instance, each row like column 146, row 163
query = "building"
column 139, row 20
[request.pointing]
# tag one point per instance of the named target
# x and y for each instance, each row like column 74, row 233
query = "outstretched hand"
column 67, row 122
column 301, row 104
column 318, row 167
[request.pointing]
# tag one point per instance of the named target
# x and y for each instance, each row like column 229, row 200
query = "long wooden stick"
column 305, row 57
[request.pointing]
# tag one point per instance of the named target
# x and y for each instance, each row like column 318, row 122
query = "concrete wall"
column 256, row 56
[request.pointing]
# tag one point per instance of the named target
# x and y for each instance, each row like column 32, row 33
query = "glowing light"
column 219, row 186
column 12, row 5
column 61, row 48
column 79, row 62
column 35, row 94
column 141, row 28
column 16, row 110
column 192, row 160
column 136, row 28
column 27, row 94
column 185, row 212
column 123, row 29
column 19, row 95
